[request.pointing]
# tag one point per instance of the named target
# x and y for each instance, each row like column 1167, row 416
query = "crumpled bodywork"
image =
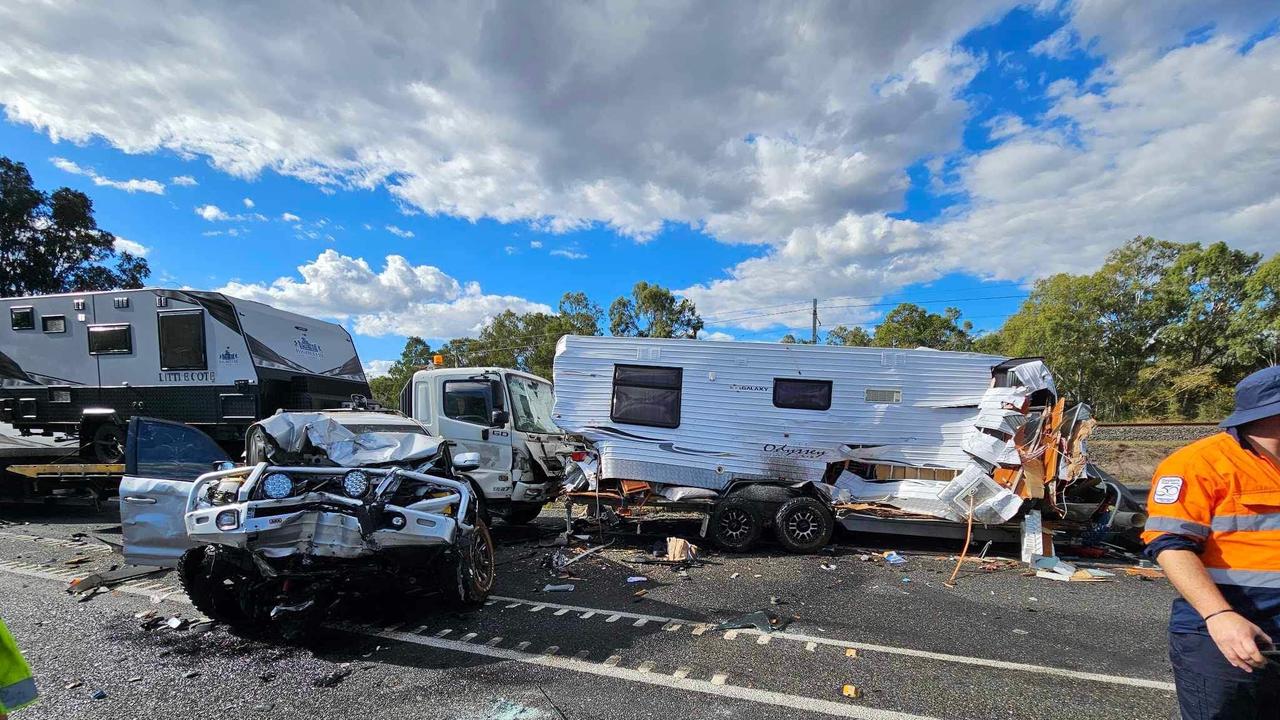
column 292, row 432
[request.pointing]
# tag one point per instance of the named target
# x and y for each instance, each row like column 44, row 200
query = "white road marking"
column 613, row 618
column 811, row 646
column 537, row 608
column 717, row 686
column 494, row 641
column 645, row 666
column 514, row 605
column 522, row 645
column 682, row 672
column 586, row 615
column 763, row 640
column 444, row 632
column 701, row 629
column 672, row 627
column 465, row 638
column 551, row 650
column 908, row 652
column 612, row 660
column 730, row 634
column 640, row 622
column 581, row 654
column 561, row 611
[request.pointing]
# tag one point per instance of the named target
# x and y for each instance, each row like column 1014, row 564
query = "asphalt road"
column 999, row 644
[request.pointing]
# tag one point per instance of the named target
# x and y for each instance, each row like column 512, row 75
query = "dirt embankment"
column 1132, row 452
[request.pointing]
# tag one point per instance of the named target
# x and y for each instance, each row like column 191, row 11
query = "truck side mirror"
column 498, row 418
column 466, row 462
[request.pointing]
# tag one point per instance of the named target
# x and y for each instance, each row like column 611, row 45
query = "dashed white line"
column 466, row 638
column 718, row 685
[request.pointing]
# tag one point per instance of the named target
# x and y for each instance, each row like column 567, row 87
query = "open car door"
column 162, row 460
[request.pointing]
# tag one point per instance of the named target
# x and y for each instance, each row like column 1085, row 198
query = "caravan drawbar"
column 84, row 363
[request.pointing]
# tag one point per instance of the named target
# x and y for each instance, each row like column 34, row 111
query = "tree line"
column 1162, row 330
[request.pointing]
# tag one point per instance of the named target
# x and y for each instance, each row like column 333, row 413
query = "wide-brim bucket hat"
column 1257, row 397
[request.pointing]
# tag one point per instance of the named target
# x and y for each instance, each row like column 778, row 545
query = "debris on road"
column 762, row 620
column 110, row 578
column 333, row 678
column 99, row 695
column 852, row 692
column 566, row 587
column 637, row 579
column 894, row 558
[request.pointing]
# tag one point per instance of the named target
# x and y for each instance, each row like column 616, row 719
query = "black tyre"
column 803, row 524
column 521, row 513
column 218, row 589
column 736, row 524
column 469, row 569
column 107, row 444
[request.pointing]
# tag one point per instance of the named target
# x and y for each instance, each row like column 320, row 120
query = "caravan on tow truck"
column 503, row 415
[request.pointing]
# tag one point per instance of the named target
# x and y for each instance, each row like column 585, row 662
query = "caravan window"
column 53, row 323
column 802, row 394
column 470, row 400
column 110, row 340
column 646, row 395
column 22, row 318
column 182, row 340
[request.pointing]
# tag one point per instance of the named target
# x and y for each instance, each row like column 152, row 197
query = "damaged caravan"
column 792, row 437
column 332, row 505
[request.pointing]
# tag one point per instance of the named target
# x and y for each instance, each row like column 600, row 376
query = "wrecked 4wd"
column 331, row 506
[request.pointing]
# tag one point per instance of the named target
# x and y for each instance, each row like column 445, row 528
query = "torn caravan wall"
column 914, row 405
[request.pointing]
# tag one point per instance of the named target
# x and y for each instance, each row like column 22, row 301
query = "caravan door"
column 474, row 414
column 162, row 460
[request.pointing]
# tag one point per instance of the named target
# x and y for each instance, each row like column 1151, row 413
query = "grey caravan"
column 84, row 363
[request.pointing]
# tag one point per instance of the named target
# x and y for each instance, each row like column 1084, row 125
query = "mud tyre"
column 736, row 524
column 522, row 513
column 107, row 444
column 469, row 569
column 217, row 588
column 803, row 525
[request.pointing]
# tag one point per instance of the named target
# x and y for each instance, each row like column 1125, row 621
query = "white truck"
column 503, row 415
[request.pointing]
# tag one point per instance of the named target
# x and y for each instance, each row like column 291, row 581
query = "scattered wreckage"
column 794, row 438
column 331, row 506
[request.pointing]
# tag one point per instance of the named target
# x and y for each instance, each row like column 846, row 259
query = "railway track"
column 1153, row 431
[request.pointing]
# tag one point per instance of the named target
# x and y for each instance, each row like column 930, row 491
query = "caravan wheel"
column 108, row 443
column 736, row 524
column 803, row 524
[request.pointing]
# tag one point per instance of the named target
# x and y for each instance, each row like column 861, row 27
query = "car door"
column 467, row 411
column 162, row 460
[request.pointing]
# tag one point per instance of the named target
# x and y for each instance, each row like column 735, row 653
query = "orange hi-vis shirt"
column 1226, row 499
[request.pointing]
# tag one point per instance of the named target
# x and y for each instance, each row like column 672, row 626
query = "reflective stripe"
column 1162, row 523
column 1246, row 578
column 17, row 695
column 1246, row 523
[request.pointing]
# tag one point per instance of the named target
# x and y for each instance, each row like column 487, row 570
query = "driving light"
column 355, row 484
column 227, row 520
column 277, row 486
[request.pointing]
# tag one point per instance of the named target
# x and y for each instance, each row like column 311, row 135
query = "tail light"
column 578, row 455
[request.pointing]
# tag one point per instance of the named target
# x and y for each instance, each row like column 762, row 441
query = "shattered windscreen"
column 531, row 404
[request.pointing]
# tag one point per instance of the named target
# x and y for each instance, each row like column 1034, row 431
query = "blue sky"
column 981, row 148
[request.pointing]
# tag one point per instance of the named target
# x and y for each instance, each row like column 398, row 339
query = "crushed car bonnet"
column 293, row 431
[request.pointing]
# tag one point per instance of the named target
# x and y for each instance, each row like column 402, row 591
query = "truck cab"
column 504, row 416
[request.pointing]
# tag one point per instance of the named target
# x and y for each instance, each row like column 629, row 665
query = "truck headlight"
column 355, row 484
column 227, row 520
column 277, row 486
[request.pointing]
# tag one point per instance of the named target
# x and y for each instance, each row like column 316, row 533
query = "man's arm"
column 1234, row 635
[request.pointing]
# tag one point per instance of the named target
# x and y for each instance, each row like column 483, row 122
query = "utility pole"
column 814, row 336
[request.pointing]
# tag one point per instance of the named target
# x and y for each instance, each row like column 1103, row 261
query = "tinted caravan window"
column 182, row 340
column 22, row 318
column 110, row 340
column 802, row 394
column 646, row 395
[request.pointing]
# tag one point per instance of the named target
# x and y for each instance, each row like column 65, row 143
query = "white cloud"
column 510, row 250
column 248, row 203
column 131, row 247
column 1004, row 125
column 399, row 299
column 130, row 186
column 212, row 213
column 715, row 336
column 1061, row 43
column 290, row 217
column 535, row 244
column 183, row 180
column 377, row 368
column 399, row 232
column 570, row 254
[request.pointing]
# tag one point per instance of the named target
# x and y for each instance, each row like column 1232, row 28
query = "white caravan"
column 504, row 416
column 86, row 362
column 751, row 430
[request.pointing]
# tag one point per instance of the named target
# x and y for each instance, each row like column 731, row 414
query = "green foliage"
column 850, row 337
column 50, row 242
column 526, row 341
column 416, row 355
column 790, row 339
column 653, row 311
column 1161, row 330
column 910, row 326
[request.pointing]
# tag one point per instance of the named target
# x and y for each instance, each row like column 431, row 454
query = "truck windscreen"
column 531, row 405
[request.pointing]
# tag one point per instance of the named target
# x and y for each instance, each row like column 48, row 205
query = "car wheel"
column 469, row 570
column 108, row 443
column 218, row 589
column 803, row 524
column 736, row 524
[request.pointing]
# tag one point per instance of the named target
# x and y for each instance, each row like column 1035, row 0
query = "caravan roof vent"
column 78, row 304
column 162, row 301
column 121, row 302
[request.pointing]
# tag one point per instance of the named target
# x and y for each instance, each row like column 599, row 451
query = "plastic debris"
column 566, row 587
column 332, row 678
column 893, row 558
column 762, row 620
column 852, row 692
column 99, row 695
column 851, row 652
column 637, row 579
column 825, row 566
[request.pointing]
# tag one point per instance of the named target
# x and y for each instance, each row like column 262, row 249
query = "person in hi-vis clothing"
column 17, row 688
column 1214, row 527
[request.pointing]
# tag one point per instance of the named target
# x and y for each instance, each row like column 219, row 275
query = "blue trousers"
column 1209, row 688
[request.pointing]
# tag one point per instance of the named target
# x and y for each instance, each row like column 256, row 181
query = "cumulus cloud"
column 132, row 185
column 212, row 213
column 290, row 217
column 183, row 180
column 248, row 203
column 131, row 247
column 535, row 244
column 399, row 299
column 570, row 254
column 377, row 368
column 399, row 232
